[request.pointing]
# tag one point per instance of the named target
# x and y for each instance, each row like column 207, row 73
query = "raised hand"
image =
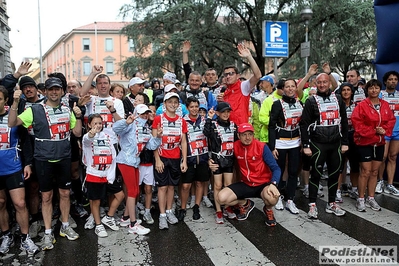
column 17, row 95
column 313, row 69
column 243, row 51
column 77, row 111
column 97, row 69
column 24, row 68
column 186, row 46
column 159, row 131
column 84, row 100
column 326, row 68
column 211, row 113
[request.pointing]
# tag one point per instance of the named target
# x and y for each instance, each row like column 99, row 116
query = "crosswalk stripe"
column 122, row 248
column 224, row 244
column 233, row 244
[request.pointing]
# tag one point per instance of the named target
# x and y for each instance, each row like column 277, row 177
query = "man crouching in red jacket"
column 260, row 176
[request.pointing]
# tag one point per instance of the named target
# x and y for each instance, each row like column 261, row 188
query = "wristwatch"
column 306, row 145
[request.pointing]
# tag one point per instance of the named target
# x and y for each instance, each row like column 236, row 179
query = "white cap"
column 169, row 87
column 170, row 76
column 170, row 95
column 177, row 81
column 141, row 109
column 135, row 81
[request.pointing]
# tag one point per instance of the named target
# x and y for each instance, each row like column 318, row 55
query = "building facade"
column 99, row 43
column 5, row 45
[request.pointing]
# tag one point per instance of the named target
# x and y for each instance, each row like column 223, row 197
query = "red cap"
column 245, row 127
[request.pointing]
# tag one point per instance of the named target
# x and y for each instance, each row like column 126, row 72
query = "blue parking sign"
column 275, row 38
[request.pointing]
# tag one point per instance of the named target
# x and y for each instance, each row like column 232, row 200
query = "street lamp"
column 306, row 15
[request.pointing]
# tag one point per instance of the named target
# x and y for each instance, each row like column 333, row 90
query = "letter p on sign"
column 275, row 32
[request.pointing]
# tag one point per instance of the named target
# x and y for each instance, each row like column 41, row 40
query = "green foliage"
column 341, row 32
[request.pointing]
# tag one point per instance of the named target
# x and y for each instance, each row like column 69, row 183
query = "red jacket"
column 239, row 103
column 365, row 118
column 256, row 162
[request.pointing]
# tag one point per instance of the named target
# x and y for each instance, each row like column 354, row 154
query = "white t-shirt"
column 97, row 105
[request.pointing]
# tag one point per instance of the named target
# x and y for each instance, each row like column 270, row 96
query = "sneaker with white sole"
column 338, row 197
column 391, row 189
column 354, row 194
column 335, row 209
column 219, row 218
column 163, row 222
column 34, row 229
column 138, row 229
column 229, row 213
column 48, row 241
column 141, row 208
column 170, row 216
column 110, row 222
column 8, row 241
column 206, row 202
column 245, row 210
column 81, row 211
column 360, row 206
column 71, row 221
column 379, row 187
column 124, row 222
column 100, row 231
column 148, row 218
column 371, row 203
column 279, row 205
column 291, row 207
column 312, row 214
column 29, row 246
column 69, row 233
column 90, row 224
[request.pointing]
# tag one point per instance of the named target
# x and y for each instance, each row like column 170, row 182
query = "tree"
column 338, row 33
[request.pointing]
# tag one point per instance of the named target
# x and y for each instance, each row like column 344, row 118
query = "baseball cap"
column 25, row 80
column 135, row 81
column 169, row 87
column 170, row 76
column 53, row 82
column 245, row 127
column 223, row 106
column 177, row 81
column 267, row 78
column 362, row 81
column 202, row 106
column 142, row 109
column 170, row 95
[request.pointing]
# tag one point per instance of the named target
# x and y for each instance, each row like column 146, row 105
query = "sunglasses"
column 229, row 74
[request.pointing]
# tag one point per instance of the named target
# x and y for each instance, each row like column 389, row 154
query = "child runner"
column 134, row 135
column 99, row 157
column 170, row 161
column 221, row 135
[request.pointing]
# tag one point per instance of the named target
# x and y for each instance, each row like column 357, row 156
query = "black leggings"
column 329, row 153
column 293, row 166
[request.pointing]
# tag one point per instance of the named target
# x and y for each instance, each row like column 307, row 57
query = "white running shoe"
column 90, row 224
column 100, row 231
column 110, row 222
column 279, row 205
column 138, row 229
column 290, row 206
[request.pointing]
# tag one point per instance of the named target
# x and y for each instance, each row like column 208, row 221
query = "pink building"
column 100, row 43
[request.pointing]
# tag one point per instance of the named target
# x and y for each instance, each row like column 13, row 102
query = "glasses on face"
column 232, row 73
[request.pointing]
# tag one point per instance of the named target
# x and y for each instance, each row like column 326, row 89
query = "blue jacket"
column 129, row 153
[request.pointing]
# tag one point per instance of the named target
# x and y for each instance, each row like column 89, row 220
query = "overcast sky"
column 57, row 17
